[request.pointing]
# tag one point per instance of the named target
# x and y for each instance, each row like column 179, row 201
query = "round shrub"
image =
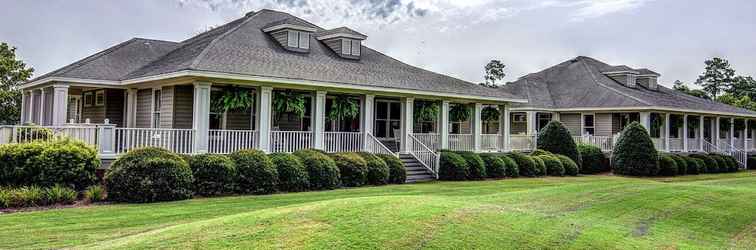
column 682, row 164
column 594, row 161
column 555, row 138
column 540, row 166
column 510, row 167
column 397, row 172
column 66, row 162
column 323, row 172
column 732, row 163
column 710, row 164
column 352, row 167
column 539, row 152
column 476, row 168
column 693, row 166
column 721, row 163
column 378, row 170
column 292, row 174
column 701, row 165
column 213, row 174
column 635, row 154
column 452, row 167
column 667, row 165
column 525, row 164
column 495, row 167
column 257, row 175
column 570, row 167
column 149, row 175
column 553, row 165
column 751, row 164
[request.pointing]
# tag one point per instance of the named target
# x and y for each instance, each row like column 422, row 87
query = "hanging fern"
column 724, row 124
column 459, row 113
column 426, row 111
column 233, row 99
column 739, row 125
column 489, row 114
column 343, row 107
column 675, row 122
column 693, row 123
column 289, row 102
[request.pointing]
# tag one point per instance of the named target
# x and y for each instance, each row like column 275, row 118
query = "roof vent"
column 346, row 42
column 293, row 34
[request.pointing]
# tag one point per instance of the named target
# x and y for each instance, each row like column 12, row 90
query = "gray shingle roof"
column 580, row 83
column 344, row 30
column 241, row 47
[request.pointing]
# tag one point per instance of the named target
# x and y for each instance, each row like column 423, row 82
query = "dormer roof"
column 340, row 32
column 290, row 23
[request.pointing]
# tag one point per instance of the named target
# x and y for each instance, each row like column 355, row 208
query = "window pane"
column 156, row 120
column 381, row 110
column 304, row 40
column 293, row 38
column 588, row 120
column 215, row 121
column 589, row 131
column 395, row 126
column 395, row 110
column 157, row 100
column 346, row 46
column 356, row 47
column 380, row 129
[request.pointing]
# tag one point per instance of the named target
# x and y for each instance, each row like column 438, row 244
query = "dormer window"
column 350, row 47
column 298, row 39
column 292, row 34
column 345, row 42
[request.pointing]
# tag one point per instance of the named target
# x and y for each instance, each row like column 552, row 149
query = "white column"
column 504, row 127
column 715, row 140
column 264, row 116
column 319, row 116
column 29, row 107
column 408, row 106
column 41, row 111
column 131, row 107
column 477, row 127
column 443, row 126
column 60, row 104
column 24, row 106
column 701, row 133
column 201, row 116
column 645, row 120
column 732, row 131
column 531, row 120
column 367, row 121
column 666, row 132
column 744, row 135
column 685, row 133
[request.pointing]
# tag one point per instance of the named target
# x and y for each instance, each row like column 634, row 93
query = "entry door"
column 387, row 118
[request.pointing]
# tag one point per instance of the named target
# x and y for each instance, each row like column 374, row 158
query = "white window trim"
column 152, row 107
column 523, row 115
column 99, row 92
column 582, row 123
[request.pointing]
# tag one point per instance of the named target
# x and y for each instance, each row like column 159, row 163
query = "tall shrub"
column 452, row 167
column 352, row 168
column 555, row 138
column 635, row 154
column 594, row 161
column 213, row 174
column 66, row 162
column 257, row 174
column 378, row 170
column 149, row 175
column 322, row 169
column 292, row 174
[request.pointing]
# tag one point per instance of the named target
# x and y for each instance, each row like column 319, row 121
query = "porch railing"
column 290, row 141
column 605, row 143
column 749, row 144
column 658, row 143
column 374, row 146
column 461, row 142
column 740, row 155
column 429, row 139
column 675, row 144
column 180, row 141
column 19, row 134
column 490, row 142
column 343, row 141
column 424, row 154
column 228, row 141
column 693, row 145
column 522, row 142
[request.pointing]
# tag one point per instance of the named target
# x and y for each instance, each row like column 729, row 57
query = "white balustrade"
column 290, row 141
column 343, row 141
column 605, row 143
column 20, row 134
column 374, row 146
column 490, row 142
column 675, row 144
column 461, row 142
column 180, row 141
column 693, row 145
column 431, row 140
column 229, row 141
column 424, row 154
column 658, row 143
column 749, row 145
column 522, row 142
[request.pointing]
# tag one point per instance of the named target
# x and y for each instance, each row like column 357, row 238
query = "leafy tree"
column 682, row 87
column 740, row 102
column 717, row 77
column 494, row 72
column 13, row 72
column 743, row 86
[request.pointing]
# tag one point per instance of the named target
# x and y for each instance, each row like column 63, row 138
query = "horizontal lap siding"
column 238, row 119
column 166, row 107
column 603, row 124
column 571, row 122
column 144, row 104
column 183, row 103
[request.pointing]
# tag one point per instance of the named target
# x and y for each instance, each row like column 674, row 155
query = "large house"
column 275, row 82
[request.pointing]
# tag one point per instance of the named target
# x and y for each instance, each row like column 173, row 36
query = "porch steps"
column 416, row 172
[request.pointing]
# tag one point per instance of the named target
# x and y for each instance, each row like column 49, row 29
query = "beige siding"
column 603, row 123
column 144, row 104
column 572, row 122
column 334, row 44
column 166, row 108
column 183, row 106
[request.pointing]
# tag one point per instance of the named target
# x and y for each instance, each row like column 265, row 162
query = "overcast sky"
column 672, row 37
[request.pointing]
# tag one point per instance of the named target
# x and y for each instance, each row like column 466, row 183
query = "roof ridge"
column 196, row 60
column 85, row 60
column 593, row 76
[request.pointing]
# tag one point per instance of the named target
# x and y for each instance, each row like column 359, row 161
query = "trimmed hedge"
column 257, row 175
column 292, row 174
column 635, row 154
column 732, row 163
column 397, row 172
column 555, row 138
column 452, row 167
column 710, row 164
column 66, row 162
column 594, row 161
column 540, row 166
column 751, row 164
column 352, row 168
column 213, row 174
column 378, row 170
column 476, row 168
column 539, row 152
column 510, row 167
column 149, row 175
column 525, row 164
column 570, row 167
column 495, row 166
column 694, row 167
column 682, row 164
column 323, row 172
column 667, row 165
column 554, row 166
column 722, row 164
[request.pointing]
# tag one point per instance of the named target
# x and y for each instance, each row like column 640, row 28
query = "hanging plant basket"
column 233, row 99
column 344, row 107
column 739, row 125
column 459, row 113
column 289, row 102
column 426, row 111
column 489, row 114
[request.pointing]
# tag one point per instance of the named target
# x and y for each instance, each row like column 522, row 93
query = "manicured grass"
column 605, row 212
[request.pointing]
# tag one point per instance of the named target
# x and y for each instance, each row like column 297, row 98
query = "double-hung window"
column 100, row 98
column 588, row 124
column 298, row 39
column 156, row 105
column 350, row 47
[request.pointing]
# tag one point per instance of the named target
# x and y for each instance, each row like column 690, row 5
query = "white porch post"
column 29, row 107
column 685, row 133
column 701, row 133
column 504, row 127
column 24, row 106
column 41, row 111
column 368, row 102
column 531, row 126
column 744, row 134
column 60, row 104
column 319, row 116
column 715, row 140
column 408, row 106
column 201, row 116
column 131, row 107
column 666, row 132
column 264, row 117
column 645, row 120
column 477, row 127
column 444, row 125
column 732, row 131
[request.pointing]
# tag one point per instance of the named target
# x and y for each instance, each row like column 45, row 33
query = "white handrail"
column 343, row 141
column 490, row 142
column 374, row 146
column 228, row 141
column 290, row 141
column 424, row 154
column 432, row 140
column 740, row 155
column 180, row 141
column 26, row 133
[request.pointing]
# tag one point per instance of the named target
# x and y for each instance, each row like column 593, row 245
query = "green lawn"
column 706, row 211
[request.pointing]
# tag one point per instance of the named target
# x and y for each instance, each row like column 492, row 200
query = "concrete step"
column 419, row 178
column 417, row 172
